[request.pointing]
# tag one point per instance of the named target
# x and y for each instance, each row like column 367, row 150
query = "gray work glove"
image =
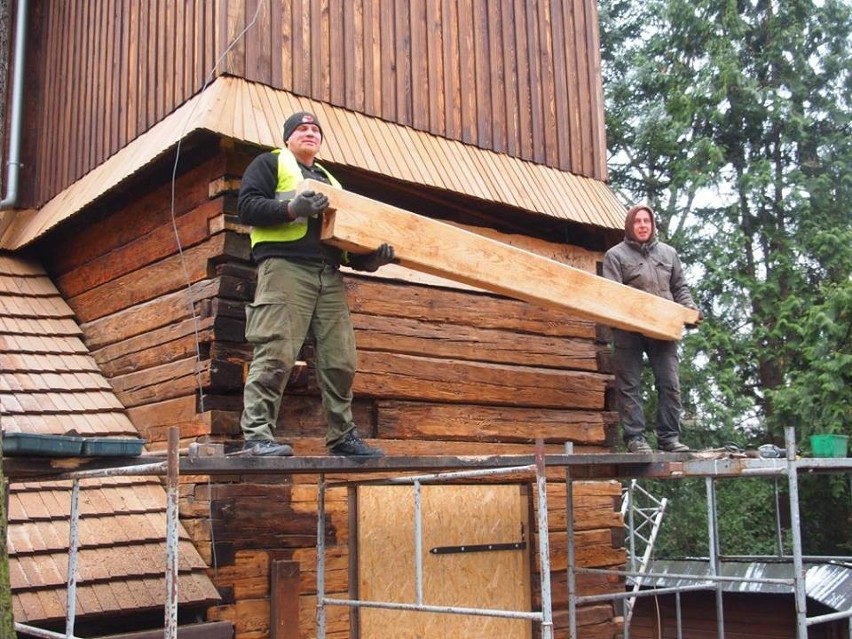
column 373, row 261
column 307, row 204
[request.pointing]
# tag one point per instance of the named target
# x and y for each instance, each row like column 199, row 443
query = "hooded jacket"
column 652, row 266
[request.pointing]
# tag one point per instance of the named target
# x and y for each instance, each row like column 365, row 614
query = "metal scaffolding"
column 788, row 466
column 440, row 469
column 544, row 616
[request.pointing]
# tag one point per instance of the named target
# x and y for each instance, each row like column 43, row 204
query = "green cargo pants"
column 293, row 298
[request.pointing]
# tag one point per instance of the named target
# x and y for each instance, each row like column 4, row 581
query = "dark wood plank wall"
column 514, row 76
column 103, row 73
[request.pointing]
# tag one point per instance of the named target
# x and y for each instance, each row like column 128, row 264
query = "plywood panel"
column 452, row 516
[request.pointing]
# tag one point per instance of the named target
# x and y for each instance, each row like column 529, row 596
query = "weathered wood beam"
column 359, row 224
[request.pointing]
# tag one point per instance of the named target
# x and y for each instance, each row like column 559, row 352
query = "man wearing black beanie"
column 299, row 289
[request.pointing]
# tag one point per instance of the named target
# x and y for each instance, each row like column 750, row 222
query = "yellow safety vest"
column 289, row 176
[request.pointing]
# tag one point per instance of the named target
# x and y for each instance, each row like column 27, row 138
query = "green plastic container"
column 111, row 447
column 829, row 445
column 34, row 445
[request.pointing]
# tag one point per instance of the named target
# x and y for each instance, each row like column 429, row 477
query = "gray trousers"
column 293, row 298
column 628, row 363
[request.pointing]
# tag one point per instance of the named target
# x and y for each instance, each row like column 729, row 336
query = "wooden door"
column 454, row 518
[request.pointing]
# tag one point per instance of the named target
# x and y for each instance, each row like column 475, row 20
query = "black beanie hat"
column 302, row 117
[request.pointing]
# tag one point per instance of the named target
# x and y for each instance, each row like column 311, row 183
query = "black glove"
column 698, row 321
column 307, row 204
column 372, row 261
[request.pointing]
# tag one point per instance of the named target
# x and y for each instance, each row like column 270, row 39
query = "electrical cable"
column 190, row 303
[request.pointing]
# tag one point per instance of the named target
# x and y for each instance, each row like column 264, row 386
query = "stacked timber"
column 159, row 285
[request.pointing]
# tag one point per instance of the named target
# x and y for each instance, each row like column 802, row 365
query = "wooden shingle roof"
column 50, row 385
column 253, row 113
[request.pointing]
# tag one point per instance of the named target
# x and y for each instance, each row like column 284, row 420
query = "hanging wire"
column 190, row 303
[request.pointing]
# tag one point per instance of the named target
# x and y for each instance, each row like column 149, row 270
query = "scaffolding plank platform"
column 358, row 224
column 580, row 466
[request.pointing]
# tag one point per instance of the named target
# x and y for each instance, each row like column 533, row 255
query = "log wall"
column 441, row 370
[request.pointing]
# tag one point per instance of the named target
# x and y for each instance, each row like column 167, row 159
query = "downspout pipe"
column 14, row 161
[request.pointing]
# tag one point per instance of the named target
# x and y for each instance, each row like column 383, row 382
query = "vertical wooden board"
column 533, row 54
column 167, row 82
column 299, row 62
column 125, row 74
column 284, row 613
column 234, row 19
column 150, row 67
column 109, row 62
column 372, row 59
column 339, row 56
column 54, row 161
column 481, row 75
column 81, row 55
column 352, row 25
column 420, row 95
column 188, row 34
column 547, row 54
column 467, row 73
column 452, row 69
column 165, row 41
column 253, row 19
column 435, row 67
column 596, row 91
column 561, row 51
column 452, row 516
column 524, row 81
column 323, row 49
column 207, row 53
column 511, row 79
column 403, row 64
column 496, row 52
column 387, row 46
column 581, row 49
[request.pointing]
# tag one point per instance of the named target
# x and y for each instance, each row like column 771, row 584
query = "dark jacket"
column 652, row 267
column 258, row 206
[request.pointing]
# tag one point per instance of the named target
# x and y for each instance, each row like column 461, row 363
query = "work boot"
column 673, row 446
column 266, row 448
column 638, row 445
column 353, row 446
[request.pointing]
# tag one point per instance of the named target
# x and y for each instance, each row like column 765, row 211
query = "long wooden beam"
column 359, row 224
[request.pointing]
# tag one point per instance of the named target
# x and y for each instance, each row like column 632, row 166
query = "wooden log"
column 175, row 379
column 416, row 337
column 160, row 243
column 461, row 308
column 138, row 218
column 359, row 224
column 472, row 422
column 143, row 318
column 166, row 276
column 394, row 376
column 158, row 347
